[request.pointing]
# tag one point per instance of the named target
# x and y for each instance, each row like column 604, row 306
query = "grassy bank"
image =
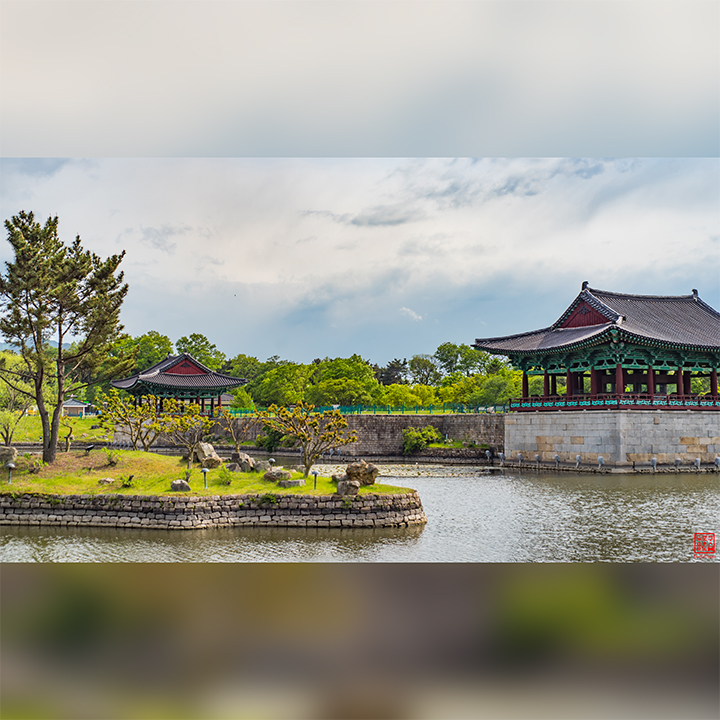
column 80, row 474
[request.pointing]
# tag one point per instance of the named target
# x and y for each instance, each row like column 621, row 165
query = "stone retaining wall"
column 189, row 513
column 382, row 434
column 622, row 438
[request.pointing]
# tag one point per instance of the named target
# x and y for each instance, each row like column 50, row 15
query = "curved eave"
column 589, row 339
column 644, row 340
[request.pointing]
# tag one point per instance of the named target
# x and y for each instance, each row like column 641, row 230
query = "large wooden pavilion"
column 181, row 377
column 619, row 351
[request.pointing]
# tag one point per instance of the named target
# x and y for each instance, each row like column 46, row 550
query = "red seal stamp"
column 704, row 543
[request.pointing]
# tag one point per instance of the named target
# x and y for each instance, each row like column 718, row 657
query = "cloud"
column 159, row 237
column 409, row 313
column 387, row 215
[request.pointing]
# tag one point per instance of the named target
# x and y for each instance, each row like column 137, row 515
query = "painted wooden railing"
column 634, row 401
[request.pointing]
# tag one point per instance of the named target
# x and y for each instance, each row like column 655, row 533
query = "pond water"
column 472, row 517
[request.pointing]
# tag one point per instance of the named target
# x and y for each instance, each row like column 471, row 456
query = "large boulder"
column 275, row 474
column 7, row 454
column 348, row 487
column 364, row 473
column 205, row 454
column 180, row 485
column 246, row 463
column 262, row 466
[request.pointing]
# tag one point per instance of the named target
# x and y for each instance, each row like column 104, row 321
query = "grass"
column 29, row 429
column 76, row 473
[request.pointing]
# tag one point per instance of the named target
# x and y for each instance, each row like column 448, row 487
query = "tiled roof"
column 157, row 375
column 683, row 320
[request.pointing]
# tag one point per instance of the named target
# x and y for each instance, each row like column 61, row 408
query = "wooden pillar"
column 525, row 385
column 202, row 405
column 212, row 406
column 619, row 379
column 553, row 384
column 546, row 384
column 687, row 387
column 650, row 380
column 568, row 383
column 713, row 382
column 679, row 381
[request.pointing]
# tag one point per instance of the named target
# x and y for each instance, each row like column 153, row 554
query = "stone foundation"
column 190, row 513
column 622, row 438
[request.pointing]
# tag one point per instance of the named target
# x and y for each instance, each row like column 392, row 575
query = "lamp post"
column 10, row 465
column 204, row 471
column 315, row 474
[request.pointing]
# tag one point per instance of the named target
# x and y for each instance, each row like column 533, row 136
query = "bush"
column 415, row 439
column 270, row 441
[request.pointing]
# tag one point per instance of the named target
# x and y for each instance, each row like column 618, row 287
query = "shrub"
column 415, row 439
column 271, row 441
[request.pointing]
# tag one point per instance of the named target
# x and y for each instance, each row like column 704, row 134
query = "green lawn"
column 78, row 473
column 29, row 429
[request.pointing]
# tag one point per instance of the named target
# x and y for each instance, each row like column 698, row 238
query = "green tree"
column 461, row 358
column 202, row 350
column 58, row 292
column 424, row 370
column 245, row 366
column 138, row 420
column 342, row 381
column 236, row 428
column 316, row 433
column 395, row 372
column 183, row 425
column 13, row 403
column 149, row 349
column 283, row 385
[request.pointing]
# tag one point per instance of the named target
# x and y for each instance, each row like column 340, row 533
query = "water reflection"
column 472, row 517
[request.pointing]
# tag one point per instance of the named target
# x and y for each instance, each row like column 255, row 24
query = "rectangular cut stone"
column 577, row 440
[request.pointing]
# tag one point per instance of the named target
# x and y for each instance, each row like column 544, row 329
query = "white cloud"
column 409, row 313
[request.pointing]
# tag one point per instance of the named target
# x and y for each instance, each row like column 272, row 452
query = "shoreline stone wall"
column 190, row 513
column 623, row 438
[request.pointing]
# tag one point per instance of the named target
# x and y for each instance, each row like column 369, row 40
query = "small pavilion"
column 619, row 351
column 181, row 377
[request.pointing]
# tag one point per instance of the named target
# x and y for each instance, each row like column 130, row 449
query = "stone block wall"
column 188, row 513
column 620, row 437
column 382, row 434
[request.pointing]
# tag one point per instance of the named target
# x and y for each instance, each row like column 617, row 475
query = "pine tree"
column 55, row 292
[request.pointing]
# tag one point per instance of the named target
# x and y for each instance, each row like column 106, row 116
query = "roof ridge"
column 642, row 297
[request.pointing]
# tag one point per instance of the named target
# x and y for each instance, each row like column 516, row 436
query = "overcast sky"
column 314, row 179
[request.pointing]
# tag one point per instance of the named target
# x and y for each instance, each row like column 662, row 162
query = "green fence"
column 443, row 409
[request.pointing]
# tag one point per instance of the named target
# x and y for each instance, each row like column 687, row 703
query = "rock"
column 291, row 483
column 247, row 464
column 233, row 467
column 338, row 478
column 180, row 485
column 363, row 472
column 207, row 457
column 106, row 481
column 262, row 466
column 277, row 474
column 95, row 427
column 348, row 487
column 7, row 454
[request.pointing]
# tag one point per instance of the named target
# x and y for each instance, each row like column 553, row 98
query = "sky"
column 312, row 179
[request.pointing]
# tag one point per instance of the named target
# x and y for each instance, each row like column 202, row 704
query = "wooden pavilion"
column 181, row 377
column 619, row 351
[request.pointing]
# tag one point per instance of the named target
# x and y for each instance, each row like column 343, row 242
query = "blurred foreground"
column 359, row 641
